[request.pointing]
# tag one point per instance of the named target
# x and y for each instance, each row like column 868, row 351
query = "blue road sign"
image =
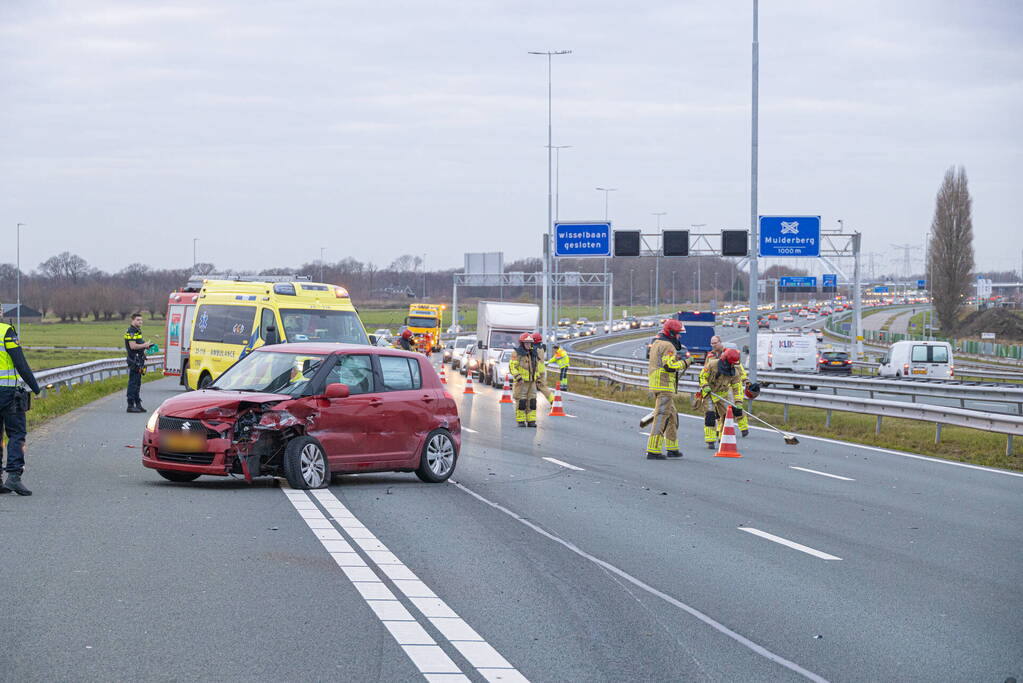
column 921, row 284
column 801, row 282
column 830, row 280
column 880, row 290
column 790, row 235
column 581, row 239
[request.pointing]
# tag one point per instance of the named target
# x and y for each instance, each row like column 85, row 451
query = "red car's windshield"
column 271, row 372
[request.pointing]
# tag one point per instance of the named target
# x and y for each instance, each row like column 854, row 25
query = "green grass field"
column 55, row 358
column 102, row 334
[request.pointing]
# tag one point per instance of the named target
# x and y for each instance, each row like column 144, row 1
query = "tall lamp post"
column 322, row 249
column 657, row 265
column 195, row 241
column 545, row 323
column 18, row 277
column 754, row 241
column 699, row 270
column 556, row 293
column 607, row 191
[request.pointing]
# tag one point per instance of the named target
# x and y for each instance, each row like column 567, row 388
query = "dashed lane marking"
column 823, row 474
column 564, row 464
column 706, row 619
column 791, row 544
column 471, row 431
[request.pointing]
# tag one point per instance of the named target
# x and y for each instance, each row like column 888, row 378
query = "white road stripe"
column 471, row 431
column 487, row 661
column 791, row 544
column 410, row 635
column 564, row 464
column 710, row 621
column 823, row 474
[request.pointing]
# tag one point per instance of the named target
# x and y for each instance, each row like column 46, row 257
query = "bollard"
column 877, row 427
column 937, row 433
column 1008, row 445
column 785, row 413
column 827, row 418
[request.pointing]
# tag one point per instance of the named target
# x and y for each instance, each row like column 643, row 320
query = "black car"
column 838, row 362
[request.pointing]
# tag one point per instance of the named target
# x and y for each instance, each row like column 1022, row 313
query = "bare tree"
column 950, row 257
column 404, row 263
column 65, row 266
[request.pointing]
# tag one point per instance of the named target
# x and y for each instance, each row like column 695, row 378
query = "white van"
column 930, row 359
column 788, row 352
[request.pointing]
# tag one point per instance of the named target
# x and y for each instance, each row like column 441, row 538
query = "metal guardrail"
column 55, row 379
column 1010, row 425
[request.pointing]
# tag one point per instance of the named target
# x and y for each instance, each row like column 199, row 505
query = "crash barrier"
column 65, row 377
column 1010, row 425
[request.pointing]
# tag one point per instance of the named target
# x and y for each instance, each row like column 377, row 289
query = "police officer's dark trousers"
column 15, row 429
column 134, row 386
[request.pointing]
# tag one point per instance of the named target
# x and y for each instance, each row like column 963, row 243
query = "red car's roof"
column 323, row 348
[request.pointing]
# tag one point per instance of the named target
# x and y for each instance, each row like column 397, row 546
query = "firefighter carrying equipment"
column 714, row 381
column 526, row 370
column 666, row 362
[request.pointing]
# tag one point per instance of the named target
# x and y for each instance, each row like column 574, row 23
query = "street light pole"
column 545, row 322
column 754, row 244
column 657, row 265
column 195, row 241
column 556, row 289
column 18, row 278
column 699, row 269
column 606, row 191
column 424, row 277
column 322, row 249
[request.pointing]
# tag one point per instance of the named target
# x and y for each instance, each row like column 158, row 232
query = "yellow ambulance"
column 234, row 316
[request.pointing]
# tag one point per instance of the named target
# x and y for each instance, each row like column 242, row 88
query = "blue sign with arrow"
column 790, row 236
column 582, row 239
column 802, row 282
column 829, row 281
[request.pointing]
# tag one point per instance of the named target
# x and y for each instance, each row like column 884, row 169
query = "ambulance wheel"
column 184, row 376
column 204, row 381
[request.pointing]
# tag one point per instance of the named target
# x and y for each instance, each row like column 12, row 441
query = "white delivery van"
column 787, row 352
column 927, row 359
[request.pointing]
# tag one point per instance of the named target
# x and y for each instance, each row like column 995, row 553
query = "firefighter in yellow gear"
column 719, row 377
column 560, row 361
column 525, row 368
column 666, row 362
column 541, row 355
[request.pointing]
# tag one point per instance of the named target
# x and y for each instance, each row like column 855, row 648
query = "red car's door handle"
column 427, row 398
column 376, row 402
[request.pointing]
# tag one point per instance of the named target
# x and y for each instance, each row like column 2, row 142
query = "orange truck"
column 424, row 322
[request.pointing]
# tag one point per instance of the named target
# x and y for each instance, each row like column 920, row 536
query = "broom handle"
column 722, row 398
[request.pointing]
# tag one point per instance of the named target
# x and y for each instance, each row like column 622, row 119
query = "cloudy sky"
column 272, row 128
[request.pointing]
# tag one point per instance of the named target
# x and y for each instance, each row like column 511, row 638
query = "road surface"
column 560, row 554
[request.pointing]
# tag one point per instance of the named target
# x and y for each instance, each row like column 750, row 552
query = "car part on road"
column 790, row 439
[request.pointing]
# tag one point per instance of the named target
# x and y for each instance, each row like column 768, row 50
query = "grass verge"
column 55, row 404
column 45, row 359
column 959, row 444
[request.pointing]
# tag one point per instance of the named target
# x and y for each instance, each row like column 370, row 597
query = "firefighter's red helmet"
column 407, row 334
column 537, row 338
column 672, row 327
column 525, row 337
column 730, row 356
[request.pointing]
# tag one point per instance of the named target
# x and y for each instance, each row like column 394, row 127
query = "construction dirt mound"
column 1006, row 324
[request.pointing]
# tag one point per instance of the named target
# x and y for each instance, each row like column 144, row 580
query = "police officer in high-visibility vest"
column 525, row 369
column 135, row 346
column 560, row 361
column 666, row 361
column 14, row 401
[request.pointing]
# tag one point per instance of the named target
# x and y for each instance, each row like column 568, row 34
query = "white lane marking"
column 847, row 444
column 564, row 464
column 710, row 621
column 791, row 544
column 408, row 633
column 471, row 431
column 823, row 474
column 480, row 654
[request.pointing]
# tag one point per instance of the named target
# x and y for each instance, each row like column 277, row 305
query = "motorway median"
column 973, row 446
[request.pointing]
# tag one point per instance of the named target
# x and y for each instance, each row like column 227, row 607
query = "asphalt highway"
column 556, row 554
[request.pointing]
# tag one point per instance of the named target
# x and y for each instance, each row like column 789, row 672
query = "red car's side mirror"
column 337, row 390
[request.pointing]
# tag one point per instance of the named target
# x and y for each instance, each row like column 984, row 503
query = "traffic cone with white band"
column 443, row 377
column 468, row 383
column 726, row 448
column 506, row 396
column 556, row 409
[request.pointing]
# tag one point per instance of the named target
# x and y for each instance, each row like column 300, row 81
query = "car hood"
column 193, row 403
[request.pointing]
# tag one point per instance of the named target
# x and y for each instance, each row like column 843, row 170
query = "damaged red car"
column 307, row 412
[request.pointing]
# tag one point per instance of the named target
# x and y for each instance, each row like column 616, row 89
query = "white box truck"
column 498, row 326
column 794, row 352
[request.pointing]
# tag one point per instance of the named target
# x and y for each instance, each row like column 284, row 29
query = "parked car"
column 455, row 348
column 499, row 370
column 306, row 412
column 458, row 355
column 837, row 362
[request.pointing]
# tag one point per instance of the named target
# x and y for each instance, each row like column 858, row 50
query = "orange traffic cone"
column 727, row 449
column 468, row 384
column 443, row 377
column 556, row 409
column 506, row 396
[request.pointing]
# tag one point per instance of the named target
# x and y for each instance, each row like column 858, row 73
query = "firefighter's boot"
column 531, row 415
column 13, row 483
column 520, row 411
column 653, row 447
column 710, row 432
column 741, row 421
column 671, row 448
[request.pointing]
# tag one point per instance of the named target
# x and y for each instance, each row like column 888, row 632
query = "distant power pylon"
column 907, row 259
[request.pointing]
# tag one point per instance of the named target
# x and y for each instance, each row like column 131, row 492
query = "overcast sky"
column 269, row 129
